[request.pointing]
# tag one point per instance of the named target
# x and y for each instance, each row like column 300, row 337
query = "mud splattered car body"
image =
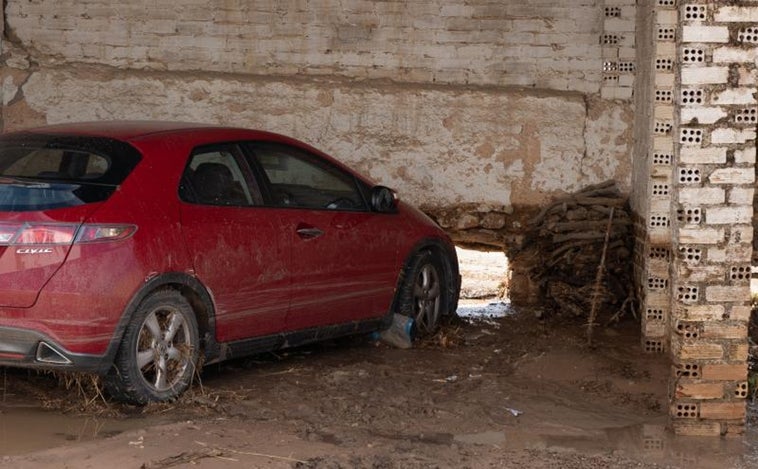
column 136, row 249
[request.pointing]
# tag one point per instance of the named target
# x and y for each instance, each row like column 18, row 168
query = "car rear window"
column 39, row 172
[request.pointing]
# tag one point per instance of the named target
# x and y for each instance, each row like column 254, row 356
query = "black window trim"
column 122, row 157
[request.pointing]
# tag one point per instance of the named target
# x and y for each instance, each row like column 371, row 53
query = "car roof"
column 127, row 129
column 134, row 131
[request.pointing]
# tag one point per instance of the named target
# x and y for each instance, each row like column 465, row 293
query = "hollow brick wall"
column 712, row 211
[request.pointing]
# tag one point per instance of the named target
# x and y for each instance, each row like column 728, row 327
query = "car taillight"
column 45, row 234
column 98, row 233
column 12, row 234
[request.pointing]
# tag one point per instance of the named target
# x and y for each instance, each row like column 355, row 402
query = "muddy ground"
column 506, row 392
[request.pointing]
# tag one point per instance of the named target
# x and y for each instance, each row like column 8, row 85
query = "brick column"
column 715, row 120
column 656, row 250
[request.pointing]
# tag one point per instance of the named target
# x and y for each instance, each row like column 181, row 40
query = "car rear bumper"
column 31, row 349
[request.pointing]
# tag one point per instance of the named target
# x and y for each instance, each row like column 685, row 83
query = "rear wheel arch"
column 196, row 295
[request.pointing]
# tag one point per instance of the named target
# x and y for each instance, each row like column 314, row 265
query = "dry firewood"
column 607, row 184
column 555, row 207
column 598, row 279
column 562, row 238
column 562, row 227
column 605, row 201
column 569, row 238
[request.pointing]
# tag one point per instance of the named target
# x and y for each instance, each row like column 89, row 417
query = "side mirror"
column 383, row 199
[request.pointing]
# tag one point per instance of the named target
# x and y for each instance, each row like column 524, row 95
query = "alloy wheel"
column 164, row 348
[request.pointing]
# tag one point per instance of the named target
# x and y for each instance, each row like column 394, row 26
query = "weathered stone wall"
column 478, row 111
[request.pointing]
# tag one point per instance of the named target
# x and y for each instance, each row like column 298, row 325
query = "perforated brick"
column 689, row 215
column 694, row 12
column 654, row 346
column 626, row 67
column 747, row 116
column 610, row 79
column 740, row 273
column 659, row 190
column 666, row 3
column 688, row 330
column 688, row 293
column 664, row 95
column 693, row 55
column 689, row 175
column 663, row 127
column 659, row 221
column 612, row 12
column 610, row 66
column 654, row 314
column 687, row 411
column 687, row 370
column 692, row 96
column 690, row 254
column 741, row 390
column 666, row 33
column 689, row 136
column 748, row 35
column 662, row 159
column 610, row 39
column 652, row 444
column 659, row 253
column 664, row 64
column 657, row 283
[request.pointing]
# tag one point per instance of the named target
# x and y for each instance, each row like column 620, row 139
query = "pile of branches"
column 579, row 250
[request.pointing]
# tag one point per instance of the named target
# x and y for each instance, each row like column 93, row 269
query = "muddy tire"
column 158, row 353
column 425, row 292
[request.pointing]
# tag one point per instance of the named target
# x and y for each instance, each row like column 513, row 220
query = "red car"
column 140, row 250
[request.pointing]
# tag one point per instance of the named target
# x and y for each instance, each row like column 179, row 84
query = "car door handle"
column 309, row 232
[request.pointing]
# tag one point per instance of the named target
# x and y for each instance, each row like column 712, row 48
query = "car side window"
column 213, row 177
column 296, row 178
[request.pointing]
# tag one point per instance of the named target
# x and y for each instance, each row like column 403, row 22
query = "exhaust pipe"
column 47, row 354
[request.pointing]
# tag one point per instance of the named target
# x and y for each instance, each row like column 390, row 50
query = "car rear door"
column 344, row 257
column 237, row 247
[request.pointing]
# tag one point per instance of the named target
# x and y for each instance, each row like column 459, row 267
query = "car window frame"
column 359, row 186
column 248, row 177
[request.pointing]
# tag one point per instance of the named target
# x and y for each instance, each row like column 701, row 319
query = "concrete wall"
column 484, row 106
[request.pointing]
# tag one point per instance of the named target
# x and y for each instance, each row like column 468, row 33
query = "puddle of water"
column 648, row 442
column 27, row 429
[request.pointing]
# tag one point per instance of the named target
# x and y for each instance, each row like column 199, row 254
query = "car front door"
column 344, row 257
column 236, row 245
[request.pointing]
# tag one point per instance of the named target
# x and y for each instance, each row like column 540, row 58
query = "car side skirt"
column 273, row 342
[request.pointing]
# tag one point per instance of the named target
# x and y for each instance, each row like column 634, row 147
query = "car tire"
column 158, row 354
column 424, row 294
